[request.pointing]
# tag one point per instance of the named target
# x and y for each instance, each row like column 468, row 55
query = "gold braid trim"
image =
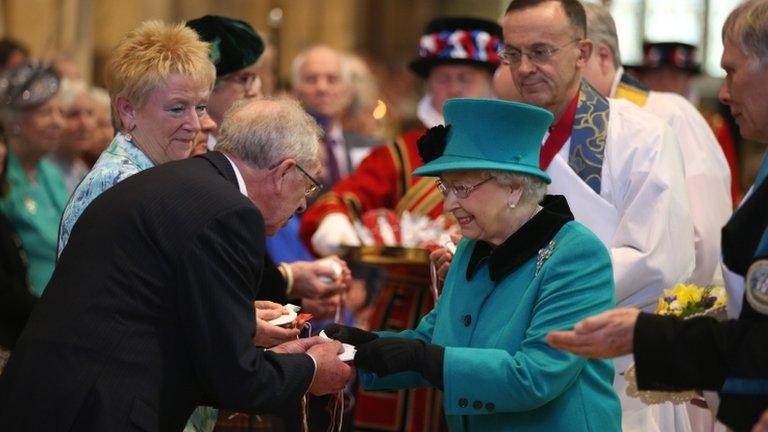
column 635, row 95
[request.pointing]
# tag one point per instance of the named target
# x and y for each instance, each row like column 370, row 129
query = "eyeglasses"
column 459, row 191
column 538, row 54
column 247, row 79
column 314, row 186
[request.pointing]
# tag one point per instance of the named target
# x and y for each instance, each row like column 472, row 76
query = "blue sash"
column 752, row 386
column 588, row 137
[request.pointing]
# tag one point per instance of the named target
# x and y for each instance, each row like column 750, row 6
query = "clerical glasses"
column 538, row 54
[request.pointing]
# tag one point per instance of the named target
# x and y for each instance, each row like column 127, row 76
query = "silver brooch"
column 544, row 254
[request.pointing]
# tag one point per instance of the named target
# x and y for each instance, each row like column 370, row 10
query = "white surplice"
column 707, row 176
column 642, row 213
column 643, row 218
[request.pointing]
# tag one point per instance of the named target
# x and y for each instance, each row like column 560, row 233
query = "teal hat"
column 234, row 43
column 486, row 134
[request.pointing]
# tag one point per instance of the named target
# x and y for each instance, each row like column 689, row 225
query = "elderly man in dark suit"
column 150, row 310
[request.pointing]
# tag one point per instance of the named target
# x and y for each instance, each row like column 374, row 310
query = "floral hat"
column 28, row 85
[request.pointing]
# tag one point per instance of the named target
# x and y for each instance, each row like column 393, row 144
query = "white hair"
column 298, row 63
column 747, row 27
column 277, row 130
column 534, row 188
column 70, row 90
column 601, row 28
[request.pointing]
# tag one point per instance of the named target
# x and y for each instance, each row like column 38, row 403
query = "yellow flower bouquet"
column 683, row 301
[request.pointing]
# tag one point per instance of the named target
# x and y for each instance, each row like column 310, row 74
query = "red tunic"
column 382, row 180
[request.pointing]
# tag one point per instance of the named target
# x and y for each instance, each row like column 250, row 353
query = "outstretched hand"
column 385, row 356
column 607, row 335
column 350, row 335
column 331, row 374
column 321, row 278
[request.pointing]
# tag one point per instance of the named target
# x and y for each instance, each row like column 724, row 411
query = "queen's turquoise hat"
column 486, row 134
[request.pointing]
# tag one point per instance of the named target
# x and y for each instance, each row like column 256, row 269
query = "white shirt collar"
column 616, row 80
column 211, row 142
column 240, row 181
column 427, row 113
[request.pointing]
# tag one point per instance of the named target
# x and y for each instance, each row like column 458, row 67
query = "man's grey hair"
column 70, row 89
column 264, row 136
column 601, row 28
column 747, row 27
column 534, row 188
column 298, row 63
column 100, row 97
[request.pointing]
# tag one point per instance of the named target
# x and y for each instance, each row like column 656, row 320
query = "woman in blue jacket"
column 523, row 267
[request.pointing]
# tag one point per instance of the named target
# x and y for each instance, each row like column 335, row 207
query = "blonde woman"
column 159, row 79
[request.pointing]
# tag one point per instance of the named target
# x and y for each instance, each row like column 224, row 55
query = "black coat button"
column 477, row 405
column 463, row 403
column 490, row 406
column 467, row 320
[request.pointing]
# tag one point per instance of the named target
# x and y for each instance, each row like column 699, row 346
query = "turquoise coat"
column 34, row 209
column 499, row 373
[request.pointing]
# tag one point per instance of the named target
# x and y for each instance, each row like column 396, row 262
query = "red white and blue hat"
column 458, row 40
column 675, row 54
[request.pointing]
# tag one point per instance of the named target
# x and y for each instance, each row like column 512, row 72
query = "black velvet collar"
column 523, row 243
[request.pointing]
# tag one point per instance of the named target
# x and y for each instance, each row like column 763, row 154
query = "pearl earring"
column 127, row 134
column 511, row 205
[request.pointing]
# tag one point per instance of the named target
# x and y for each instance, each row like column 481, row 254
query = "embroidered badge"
column 757, row 286
column 544, row 254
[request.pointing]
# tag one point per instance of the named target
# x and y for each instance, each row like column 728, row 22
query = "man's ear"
column 280, row 171
column 586, row 47
column 605, row 57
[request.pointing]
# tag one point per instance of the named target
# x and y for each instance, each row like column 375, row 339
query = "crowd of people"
column 153, row 231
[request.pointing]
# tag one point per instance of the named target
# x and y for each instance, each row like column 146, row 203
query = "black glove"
column 351, row 335
column 385, row 356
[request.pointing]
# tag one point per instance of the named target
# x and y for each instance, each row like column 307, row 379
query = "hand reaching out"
column 331, row 374
column 606, row 335
column 320, row 278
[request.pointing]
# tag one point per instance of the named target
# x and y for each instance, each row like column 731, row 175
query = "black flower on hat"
column 432, row 144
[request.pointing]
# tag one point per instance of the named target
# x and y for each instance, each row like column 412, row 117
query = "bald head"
column 319, row 81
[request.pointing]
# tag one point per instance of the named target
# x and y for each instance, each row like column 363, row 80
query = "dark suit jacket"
column 149, row 312
column 702, row 353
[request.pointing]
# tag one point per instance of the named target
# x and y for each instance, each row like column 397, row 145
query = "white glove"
column 334, row 231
